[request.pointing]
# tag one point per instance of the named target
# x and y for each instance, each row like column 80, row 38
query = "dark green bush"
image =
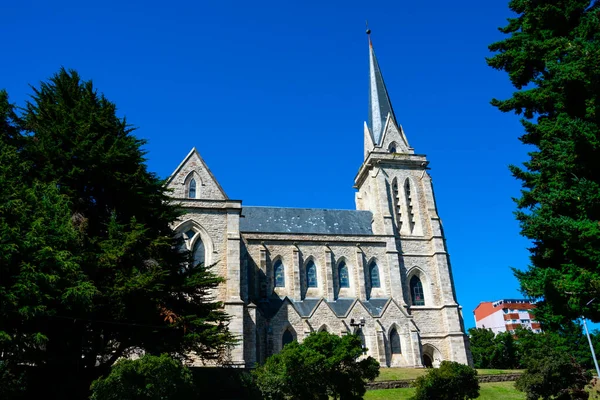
column 551, row 374
column 451, row 381
column 148, row 378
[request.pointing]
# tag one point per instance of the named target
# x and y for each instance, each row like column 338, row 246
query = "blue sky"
column 274, row 94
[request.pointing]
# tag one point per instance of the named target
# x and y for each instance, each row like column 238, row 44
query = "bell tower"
column 394, row 184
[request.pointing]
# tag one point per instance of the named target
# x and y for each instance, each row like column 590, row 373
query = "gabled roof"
column 209, row 178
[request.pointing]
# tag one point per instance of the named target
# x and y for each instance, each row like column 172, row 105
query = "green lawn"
column 394, row 374
column 489, row 391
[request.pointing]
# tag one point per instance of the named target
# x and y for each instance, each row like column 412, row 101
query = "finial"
column 368, row 30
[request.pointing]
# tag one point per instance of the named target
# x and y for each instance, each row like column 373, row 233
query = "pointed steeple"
column 380, row 105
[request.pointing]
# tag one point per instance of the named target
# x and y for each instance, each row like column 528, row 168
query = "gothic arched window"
column 192, row 189
column 395, row 342
column 279, row 274
column 416, row 291
column 198, row 252
column 311, row 274
column 374, row 275
column 363, row 342
column 287, row 337
column 343, row 275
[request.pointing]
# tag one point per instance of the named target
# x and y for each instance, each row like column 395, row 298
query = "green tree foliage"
column 553, row 374
column 147, row 378
column 493, row 351
column 551, row 57
column 451, row 381
column 507, row 351
column 568, row 338
column 12, row 383
column 482, row 346
column 322, row 366
column 90, row 267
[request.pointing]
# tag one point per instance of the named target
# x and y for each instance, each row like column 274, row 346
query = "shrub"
column 553, row 375
column 149, row 377
column 451, row 381
column 323, row 366
column 12, row 382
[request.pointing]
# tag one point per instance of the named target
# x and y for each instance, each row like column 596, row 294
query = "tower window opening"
column 416, row 291
column 409, row 205
column 396, row 202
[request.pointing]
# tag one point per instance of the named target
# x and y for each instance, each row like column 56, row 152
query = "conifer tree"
column 119, row 281
column 552, row 57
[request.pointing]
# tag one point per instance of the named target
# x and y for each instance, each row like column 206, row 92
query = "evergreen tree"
column 551, row 57
column 116, row 279
column 481, row 342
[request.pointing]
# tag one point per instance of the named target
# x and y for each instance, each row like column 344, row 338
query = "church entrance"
column 427, row 361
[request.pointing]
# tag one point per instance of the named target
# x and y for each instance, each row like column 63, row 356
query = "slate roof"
column 306, row 220
column 375, row 306
column 340, row 306
column 306, row 307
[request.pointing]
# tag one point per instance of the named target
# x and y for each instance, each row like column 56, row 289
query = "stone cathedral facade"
column 291, row 271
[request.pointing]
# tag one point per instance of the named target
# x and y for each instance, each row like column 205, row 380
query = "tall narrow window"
column 396, row 201
column 416, row 291
column 395, row 342
column 363, row 342
column 279, row 273
column 374, row 274
column 286, row 338
column 198, row 252
column 311, row 274
column 192, row 189
column 343, row 275
column 409, row 205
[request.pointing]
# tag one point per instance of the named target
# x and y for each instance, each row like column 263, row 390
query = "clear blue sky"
column 274, row 94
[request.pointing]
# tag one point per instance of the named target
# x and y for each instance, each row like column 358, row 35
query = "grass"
column 395, row 374
column 489, row 391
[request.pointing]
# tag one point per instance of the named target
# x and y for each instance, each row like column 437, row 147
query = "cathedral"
column 381, row 271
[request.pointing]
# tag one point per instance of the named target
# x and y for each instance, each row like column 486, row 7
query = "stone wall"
column 406, row 383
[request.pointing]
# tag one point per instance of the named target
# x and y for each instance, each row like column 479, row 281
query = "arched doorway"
column 431, row 356
column 427, row 363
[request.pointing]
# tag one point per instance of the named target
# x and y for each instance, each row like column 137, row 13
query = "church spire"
column 380, row 105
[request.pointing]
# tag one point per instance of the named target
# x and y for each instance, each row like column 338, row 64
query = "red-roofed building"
column 506, row 315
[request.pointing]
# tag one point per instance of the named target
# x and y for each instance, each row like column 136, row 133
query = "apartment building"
column 506, row 315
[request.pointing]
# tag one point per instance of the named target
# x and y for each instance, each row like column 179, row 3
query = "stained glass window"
column 279, row 273
column 395, row 342
column 416, row 290
column 343, row 275
column 311, row 274
column 190, row 234
column 198, row 252
column 374, row 272
column 192, row 189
